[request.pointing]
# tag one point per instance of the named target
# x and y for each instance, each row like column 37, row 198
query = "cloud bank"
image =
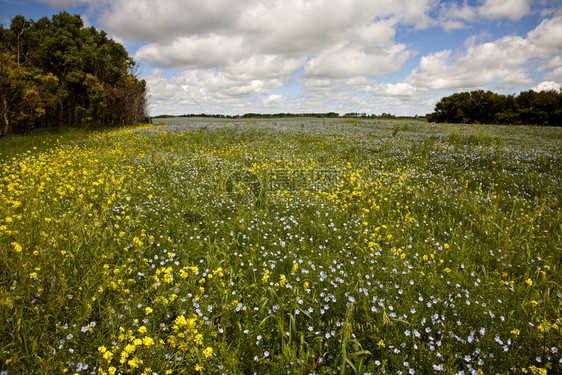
column 321, row 55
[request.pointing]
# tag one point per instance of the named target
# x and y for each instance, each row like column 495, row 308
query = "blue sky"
column 296, row 56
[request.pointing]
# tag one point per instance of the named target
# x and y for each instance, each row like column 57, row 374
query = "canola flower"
column 429, row 251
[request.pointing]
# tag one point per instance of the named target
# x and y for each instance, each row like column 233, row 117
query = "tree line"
column 486, row 107
column 56, row 72
column 283, row 115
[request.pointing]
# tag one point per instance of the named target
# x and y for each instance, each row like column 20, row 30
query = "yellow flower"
column 135, row 362
column 265, row 276
column 529, row 282
column 282, row 280
column 381, row 344
column 148, row 341
column 198, row 367
column 180, row 322
column 538, row 371
column 148, row 311
column 218, row 271
column 516, row 332
column 17, row 247
column 208, row 352
column 137, row 242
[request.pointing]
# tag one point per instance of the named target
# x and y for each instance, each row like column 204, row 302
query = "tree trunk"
column 5, row 116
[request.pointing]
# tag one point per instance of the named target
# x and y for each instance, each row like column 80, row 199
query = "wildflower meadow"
column 302, row 246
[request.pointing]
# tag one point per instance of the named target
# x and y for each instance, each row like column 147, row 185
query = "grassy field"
column 289, row 246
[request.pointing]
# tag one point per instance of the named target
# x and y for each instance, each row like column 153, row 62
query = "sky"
column 301, row 56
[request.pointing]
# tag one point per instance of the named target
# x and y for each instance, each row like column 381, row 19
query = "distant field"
column 304, row 246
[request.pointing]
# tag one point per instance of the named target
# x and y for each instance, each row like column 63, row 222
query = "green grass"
column 13, row 145
column 426, row 248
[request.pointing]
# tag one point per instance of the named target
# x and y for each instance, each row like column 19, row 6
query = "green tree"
column 25, row 93
column 55, row 71
column 529, row 107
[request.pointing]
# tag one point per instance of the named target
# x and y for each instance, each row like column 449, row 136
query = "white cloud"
column 194, row 52
column 263, row 66
column 551, row 63
column 377, row 33
column 292, row 27
column 416, row 12
column 511, row 9
column 548, row 34
column 399, row 89
column 274, row 99
column 233, row 55
column 275, row 41
column 317, row 84
column 217, row 84
column 352, row 60
column 547, row 86
column 369, row 50
column 454, row 16
column 500, row 63
column 555, row 75
column 166, row 97
column 162, row 20
column 208, row 88
column 463, row 12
